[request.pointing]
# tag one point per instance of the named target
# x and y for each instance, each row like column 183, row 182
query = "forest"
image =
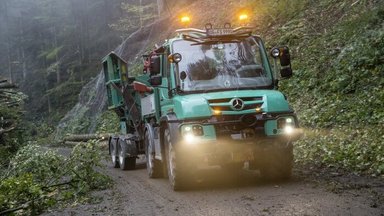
column 50, row 63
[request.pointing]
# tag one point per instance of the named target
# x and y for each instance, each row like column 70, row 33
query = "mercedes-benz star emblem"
column 237, row 104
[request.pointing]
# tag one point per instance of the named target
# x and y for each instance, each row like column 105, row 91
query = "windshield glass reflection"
column 222, row 65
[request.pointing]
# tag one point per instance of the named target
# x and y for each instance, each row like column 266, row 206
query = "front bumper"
column 226, row 150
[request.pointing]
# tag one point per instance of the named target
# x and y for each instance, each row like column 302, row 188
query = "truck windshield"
column 219, row 66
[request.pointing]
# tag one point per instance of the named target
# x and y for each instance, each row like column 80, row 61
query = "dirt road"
column 222, row 193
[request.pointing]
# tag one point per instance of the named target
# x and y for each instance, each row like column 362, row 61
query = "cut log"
column 104, row 143
column 72, row 143
column 7, row 85
column 86, row 137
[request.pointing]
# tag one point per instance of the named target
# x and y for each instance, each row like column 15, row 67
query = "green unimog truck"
column 207, row 97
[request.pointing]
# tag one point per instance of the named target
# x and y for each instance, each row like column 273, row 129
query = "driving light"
column 258, row 109
column 288, row 129
column 190, row 138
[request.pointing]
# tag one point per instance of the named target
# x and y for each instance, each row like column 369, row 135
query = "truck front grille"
column 224, row 104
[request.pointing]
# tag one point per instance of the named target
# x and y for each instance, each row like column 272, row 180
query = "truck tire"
column 177, row 174
column 114, row 152
column 125, row 162
column 154, row 167
column 279, row 164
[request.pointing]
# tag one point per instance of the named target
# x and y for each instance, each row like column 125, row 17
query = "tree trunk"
column 8, row 42
column 22, row 50
column 58, row 75
column 160, row 6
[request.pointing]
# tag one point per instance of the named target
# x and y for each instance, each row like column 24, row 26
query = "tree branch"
column 7, row 85
column 7, row 130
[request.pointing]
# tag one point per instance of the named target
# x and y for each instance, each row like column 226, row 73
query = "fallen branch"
column 6, row 91
column 59, row 184
column 24, row 206
column 3, row 131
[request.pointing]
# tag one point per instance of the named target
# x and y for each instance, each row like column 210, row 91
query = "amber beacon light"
column 185, row 19
column 243, row 17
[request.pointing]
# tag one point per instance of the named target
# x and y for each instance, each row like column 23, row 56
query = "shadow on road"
column 217, row 178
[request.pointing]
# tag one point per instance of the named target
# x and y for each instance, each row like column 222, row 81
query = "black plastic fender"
column 170, row 121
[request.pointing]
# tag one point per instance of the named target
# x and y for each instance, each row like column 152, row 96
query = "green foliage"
column 136, row 16
column 108, row 122
column 39, row 177
column 64, row 97
column 337, row 49
column 11, row 133
column 50, row 54
column 42, row 163
column 47, row 43
column 350, row 148
column 41, row 132
column 15, row 191
column 83, row 161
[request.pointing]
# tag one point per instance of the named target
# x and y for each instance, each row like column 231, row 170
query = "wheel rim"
column 172, row 161
column 149, row 153
column 113, row 154
column 121, row 156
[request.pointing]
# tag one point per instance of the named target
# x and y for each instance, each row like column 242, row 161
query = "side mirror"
column 285, row 60
column 286, row 72
column 155, row 80
column 155, row 65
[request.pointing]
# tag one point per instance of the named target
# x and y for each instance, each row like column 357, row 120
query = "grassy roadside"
column 338, row 85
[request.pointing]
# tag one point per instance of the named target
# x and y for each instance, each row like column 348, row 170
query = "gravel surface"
column 221, row 193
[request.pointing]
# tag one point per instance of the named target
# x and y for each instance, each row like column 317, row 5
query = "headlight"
column 288, row 129
column 196, row 130
column 190, row 138
column 286, row 124
column 192, row 133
